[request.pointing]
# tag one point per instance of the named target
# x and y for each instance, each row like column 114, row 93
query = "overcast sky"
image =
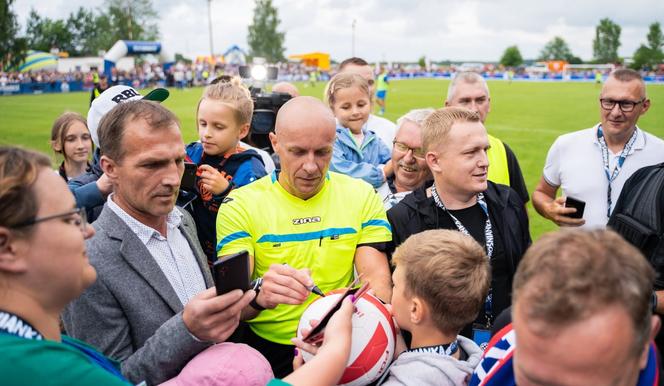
column 394, row 29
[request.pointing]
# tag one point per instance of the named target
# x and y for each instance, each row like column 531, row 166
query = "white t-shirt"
column 574, row 163
column 384, row 129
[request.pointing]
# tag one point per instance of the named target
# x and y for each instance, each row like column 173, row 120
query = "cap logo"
column 126, row 94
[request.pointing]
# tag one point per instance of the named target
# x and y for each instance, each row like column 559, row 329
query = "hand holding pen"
column 312, row 288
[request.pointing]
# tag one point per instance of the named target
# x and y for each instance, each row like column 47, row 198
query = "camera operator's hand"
column 212, row 179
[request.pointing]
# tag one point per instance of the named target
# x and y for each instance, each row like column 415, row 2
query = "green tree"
column 181, row 58
column 89, row 32
column 650, row 56
column 264, row 40
column 511, row 57
column 557, row 49
column 45, row 34
column 132, row 20
column 655, row 37
column 12, row 47
column 606, row 42
column 422, row 61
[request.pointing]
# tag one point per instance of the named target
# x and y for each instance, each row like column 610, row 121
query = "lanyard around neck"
column 612, row 174
column 14, row 325
column 441, row 349
column 488, row 232
column 488, row 238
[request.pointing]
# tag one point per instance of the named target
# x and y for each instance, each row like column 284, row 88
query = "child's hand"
column 212, row 179
column 327, row 367
column 303, row 346
column 337, row 335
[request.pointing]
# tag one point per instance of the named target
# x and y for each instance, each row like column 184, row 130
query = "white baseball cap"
column 111, row 98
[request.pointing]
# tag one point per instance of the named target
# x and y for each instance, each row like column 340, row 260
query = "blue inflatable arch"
column 122, row 48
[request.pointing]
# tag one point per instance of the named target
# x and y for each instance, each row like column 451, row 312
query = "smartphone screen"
column 580, row 206
column 231, row 273
column 188, row 181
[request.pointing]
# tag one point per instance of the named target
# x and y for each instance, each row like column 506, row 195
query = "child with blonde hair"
column 358, row 152
column 223, row 117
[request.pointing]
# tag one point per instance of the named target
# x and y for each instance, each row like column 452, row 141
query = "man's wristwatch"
column 256, row 286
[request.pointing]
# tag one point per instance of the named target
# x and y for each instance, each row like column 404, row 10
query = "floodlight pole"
column 210, row 27
column 353, row 39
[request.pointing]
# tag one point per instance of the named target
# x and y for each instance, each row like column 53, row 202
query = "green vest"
column 381, row 84
column 498, row 170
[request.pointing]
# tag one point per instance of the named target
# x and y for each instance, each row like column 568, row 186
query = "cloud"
column 394, row 29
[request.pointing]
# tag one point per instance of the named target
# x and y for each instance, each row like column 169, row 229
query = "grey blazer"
column 131, row 313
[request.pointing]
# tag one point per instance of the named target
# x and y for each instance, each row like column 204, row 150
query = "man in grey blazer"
column 150, row 307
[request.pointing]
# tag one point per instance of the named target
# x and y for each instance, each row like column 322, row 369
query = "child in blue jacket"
column 358, row 152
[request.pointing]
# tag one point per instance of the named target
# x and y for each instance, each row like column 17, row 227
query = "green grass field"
column 527, row 116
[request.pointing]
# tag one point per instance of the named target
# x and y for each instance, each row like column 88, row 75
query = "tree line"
column 84, row 32
column 605, row 48
column 88, row 32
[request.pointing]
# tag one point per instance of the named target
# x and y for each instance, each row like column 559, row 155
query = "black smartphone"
column 188, row 181
column 231, row 273
column 580, row 206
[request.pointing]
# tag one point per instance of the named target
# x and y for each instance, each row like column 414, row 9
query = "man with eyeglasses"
column 592, row 165
column 383, row 128
column 454, row 143
column 410, row 168
column 469, row 90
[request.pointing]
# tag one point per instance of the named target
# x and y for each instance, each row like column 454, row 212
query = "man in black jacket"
column 455, row 144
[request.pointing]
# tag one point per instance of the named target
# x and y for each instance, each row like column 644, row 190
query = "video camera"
column 266, row 107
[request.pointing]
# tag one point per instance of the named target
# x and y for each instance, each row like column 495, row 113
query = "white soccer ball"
column 373, row 339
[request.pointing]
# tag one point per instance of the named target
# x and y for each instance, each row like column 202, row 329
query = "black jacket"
column 417, row 213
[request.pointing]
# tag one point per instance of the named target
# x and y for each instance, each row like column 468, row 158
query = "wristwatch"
column 653, row 302
column 256, row 286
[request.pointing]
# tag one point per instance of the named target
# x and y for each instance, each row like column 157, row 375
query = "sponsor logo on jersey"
column 306, row 220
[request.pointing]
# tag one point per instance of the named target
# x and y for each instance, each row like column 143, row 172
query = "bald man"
column 286, row 88
column 301, row 228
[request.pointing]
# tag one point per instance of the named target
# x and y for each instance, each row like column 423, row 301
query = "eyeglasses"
column 402, row 147
column 625, row 106
column 78, row 218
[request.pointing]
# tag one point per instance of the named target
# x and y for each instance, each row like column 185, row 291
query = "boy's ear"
column 244, row 130
column 417, row 310
column 10, row 259
column 655, row 325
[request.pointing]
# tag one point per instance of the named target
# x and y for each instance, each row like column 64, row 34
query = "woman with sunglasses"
column 43, row 266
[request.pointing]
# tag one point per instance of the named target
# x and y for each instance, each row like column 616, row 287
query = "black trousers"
column 280, row 356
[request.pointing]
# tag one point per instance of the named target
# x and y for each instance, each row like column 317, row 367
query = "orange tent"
column 321, row 60
column 556, row 65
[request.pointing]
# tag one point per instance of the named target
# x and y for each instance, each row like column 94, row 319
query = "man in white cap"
column 91, row 188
